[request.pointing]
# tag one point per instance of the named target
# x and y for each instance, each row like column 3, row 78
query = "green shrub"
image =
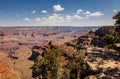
column 48, row 66
column 113, row 35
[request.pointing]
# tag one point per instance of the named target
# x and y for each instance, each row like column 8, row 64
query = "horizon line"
column 53, row 26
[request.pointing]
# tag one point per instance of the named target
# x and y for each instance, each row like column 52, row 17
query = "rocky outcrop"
column 82, row 42
column 21, row 63
column 103, row 30
column 104, row 63
column 97, row 41
column 36, row 51
column 22, row 53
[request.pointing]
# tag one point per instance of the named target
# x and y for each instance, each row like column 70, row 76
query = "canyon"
column 19, row 47
column 17, row 44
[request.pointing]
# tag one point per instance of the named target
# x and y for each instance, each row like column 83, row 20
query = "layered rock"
column 100, row 62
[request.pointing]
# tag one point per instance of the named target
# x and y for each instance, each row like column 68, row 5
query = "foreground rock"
column 104, row 63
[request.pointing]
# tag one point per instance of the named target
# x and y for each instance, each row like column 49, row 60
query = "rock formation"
column 23, row 45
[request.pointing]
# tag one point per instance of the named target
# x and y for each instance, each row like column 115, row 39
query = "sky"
column 58, row 12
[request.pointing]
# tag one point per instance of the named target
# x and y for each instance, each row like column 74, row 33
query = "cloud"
column 77, row 17
column 34, row 11
column 115, row 10
column 60, row 19
column 79, row 11
column 54, row 19
column 57, row 18
column 88, row 12
column 26, row 19
column 68, row 18
column 58, row 8
column 94, row 14
column 43, row 11
column 37, row 19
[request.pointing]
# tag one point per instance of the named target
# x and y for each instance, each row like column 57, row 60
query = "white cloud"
column 26, row 19
column 54, row 19
column 34, row 11
column 115, row 11
column 88, row 12
column 97, row 14
column 79, row 11
column 58, row 8
column 37, row 19
column 94, row 14
column 43, row 11
column 77, row 17
column 68, row 18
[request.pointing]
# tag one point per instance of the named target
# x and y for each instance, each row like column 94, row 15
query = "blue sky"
column 58, row 12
